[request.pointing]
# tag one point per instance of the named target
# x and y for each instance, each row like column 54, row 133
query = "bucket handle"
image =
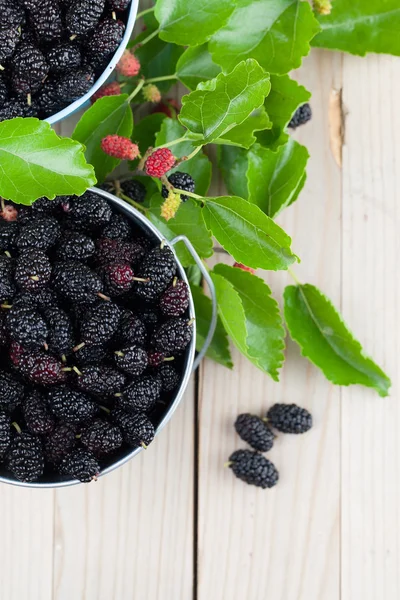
column 204, row 272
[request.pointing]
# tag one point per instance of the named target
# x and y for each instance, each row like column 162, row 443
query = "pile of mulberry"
column 94, row 327
column 52, row 51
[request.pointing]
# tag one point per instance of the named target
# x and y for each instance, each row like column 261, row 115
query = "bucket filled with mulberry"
column 97, row 337
column 55, row 54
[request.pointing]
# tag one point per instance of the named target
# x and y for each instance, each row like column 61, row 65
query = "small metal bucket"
column 190, row 362
column 84, row 100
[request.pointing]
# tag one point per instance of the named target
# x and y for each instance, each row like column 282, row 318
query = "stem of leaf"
column 190, row 194
column 149, row 37
column 293, row 276
column 169, row 144
column 142, row 209
column 136, row 91
column 145, row 12
column 192, row 154
column 163, row 78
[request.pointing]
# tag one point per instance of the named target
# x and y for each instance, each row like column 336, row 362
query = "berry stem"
column 190, row 194
column 17, row 427
column 163, row 78
column 103, row 297
column 145, row 12
column 169, row 144
column 143, row 209
column 135, row 91
column 293, row 276
column 149, row 37
column 192, row 154
column 78, row 347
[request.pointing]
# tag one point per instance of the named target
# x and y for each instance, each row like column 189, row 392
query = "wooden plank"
column 371, row 303
column 26, row 549
column 130, row 535
column 281, row 543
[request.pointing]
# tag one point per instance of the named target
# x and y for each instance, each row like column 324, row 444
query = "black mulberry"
column 253, row 468
column 32, row 270
column 83, row 15
column 131, row 360
column 82, row 465
column 137, row 429
column 289, row 418
column 102, row 438
column 37, row 417
column 255, row 432
column 25, row 457
column 11, row 392
column 159, row 267
column 173, row 336
column 70, row 406
column 140, row 395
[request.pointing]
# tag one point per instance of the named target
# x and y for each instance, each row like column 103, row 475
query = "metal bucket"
column 190, row 362
column 84, row 100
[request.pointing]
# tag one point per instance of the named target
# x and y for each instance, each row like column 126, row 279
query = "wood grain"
column 281, row 543
column 26, row 547
column 371, row 304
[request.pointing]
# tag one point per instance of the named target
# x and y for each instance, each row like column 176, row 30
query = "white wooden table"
column 174, row 524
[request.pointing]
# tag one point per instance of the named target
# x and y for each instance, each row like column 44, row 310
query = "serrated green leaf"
column 248, row 234
column 191, row 23
column 361, row 26
column 219, row 347
column 243, row 135
column 297, row 191
column 108, row 115
column 285, row 97
column 35, row 162
column 188, row 221
column 323, row 337
column 231, row 311
column 265, row 333
column 274, row 177
column 233, row 163
column 219, row 105
column 199, row 167
column 196, row 65
column 276, row 33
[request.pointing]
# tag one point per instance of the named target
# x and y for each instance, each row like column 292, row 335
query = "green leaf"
column 219, row 347
column 233, row 163
column 191, row 23
column 248, row 234
column 35, row 162
column 108, row 115
column 361, row 26
column 144, row 134
column 243, row 135
column 274, row 177
column 323, row 337
column 157, row 59
column 265, row 333
column 222, row 103
column 285, row 97
column 194, row 275
column 199, row 167
column 276, row 33
column 188, row 221
column 196, row 65
column 297, row 191
column 231, row 311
